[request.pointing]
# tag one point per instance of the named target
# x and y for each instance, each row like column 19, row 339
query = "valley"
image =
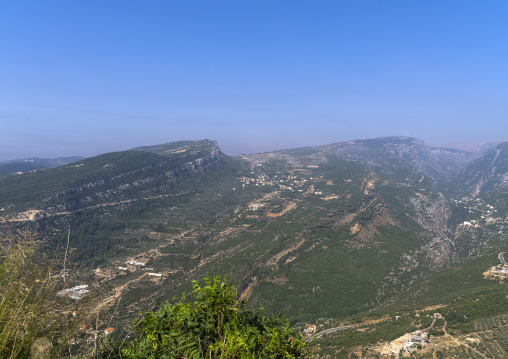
column 361, row 235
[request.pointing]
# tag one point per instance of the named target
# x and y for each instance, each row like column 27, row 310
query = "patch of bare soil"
column 229, row 233
column 328, row 198
column 280, row 280
column 355, row 228
column 347, row 218
column 430, row 308
column 117, row 292
column 286, row 209
column 369, row 229
column 313, row 246
column 374, row 321
column 351, row 216
column 222, row 255
column 258, row 203
column 34, row 214
column 310, row 189
column 276, row 258
column 290, row 259
column 369, row 183
column 246, row 294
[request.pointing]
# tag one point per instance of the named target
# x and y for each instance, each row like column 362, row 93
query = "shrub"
column 212, row 324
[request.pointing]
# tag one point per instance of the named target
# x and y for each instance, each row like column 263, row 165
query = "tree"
column 212, row 324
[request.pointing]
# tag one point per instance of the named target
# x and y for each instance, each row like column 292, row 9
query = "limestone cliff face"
column 436, row 250
column 484, row 175
column 400, row 177
column 126, row 186
column 433, row 214
column 416, row 168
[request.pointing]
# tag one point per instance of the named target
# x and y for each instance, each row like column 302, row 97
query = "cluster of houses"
column 477, row 207
column 406, row 343
column 499, row 271
column 288, row 182
column 76, row 292
column 79, row 291
column 136, row 264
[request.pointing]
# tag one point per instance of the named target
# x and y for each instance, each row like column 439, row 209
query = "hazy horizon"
column 460, row 145
column 89, row 78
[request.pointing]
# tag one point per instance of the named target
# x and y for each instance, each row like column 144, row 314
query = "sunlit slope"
column 328, row 230
column 483, row 176
column 106, row 178
column 16, row 167
column 341, row 239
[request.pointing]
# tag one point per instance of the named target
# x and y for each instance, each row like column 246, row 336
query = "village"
column 497, row 272
column 483, row 213
column 407, row 343
column 285, row 182
column 141, row 267
column 402, row 346
column 103, row 275
column 291, row 183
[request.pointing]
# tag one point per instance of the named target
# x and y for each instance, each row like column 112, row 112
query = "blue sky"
column 87, row 77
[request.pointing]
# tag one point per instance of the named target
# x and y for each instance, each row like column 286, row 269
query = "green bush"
column 213, row 324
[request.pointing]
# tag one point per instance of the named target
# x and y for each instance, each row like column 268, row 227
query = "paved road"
column 501, row 258
column 331, row 330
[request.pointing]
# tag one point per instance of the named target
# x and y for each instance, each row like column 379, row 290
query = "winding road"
column 331, row 330
column 501, row 258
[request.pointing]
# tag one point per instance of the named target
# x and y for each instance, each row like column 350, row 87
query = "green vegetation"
column 339, row 233
column 300, row 241
column 371, row 334
column 212, row 324
column 11, row 168
column 27, row 288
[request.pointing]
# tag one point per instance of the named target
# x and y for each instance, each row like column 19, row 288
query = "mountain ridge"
column 358, row 222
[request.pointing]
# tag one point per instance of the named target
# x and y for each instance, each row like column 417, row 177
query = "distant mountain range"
column 33, row 164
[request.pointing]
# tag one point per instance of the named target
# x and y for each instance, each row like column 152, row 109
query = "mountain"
column 33, row 164
column 272, row 221
column 126, row 175
column 484, row 175
column 45, row 162
column 436, row 162
column 18, row 168
column 338, row 231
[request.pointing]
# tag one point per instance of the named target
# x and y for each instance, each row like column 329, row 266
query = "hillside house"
column 311, row 329
column 138, row 264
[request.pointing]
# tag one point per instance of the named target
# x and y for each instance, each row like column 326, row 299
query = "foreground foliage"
column 213, row 324
column 24, row 288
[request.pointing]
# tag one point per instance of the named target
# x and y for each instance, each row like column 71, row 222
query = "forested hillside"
column 346, row 231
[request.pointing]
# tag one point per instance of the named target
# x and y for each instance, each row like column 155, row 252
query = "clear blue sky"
column 87, row 77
